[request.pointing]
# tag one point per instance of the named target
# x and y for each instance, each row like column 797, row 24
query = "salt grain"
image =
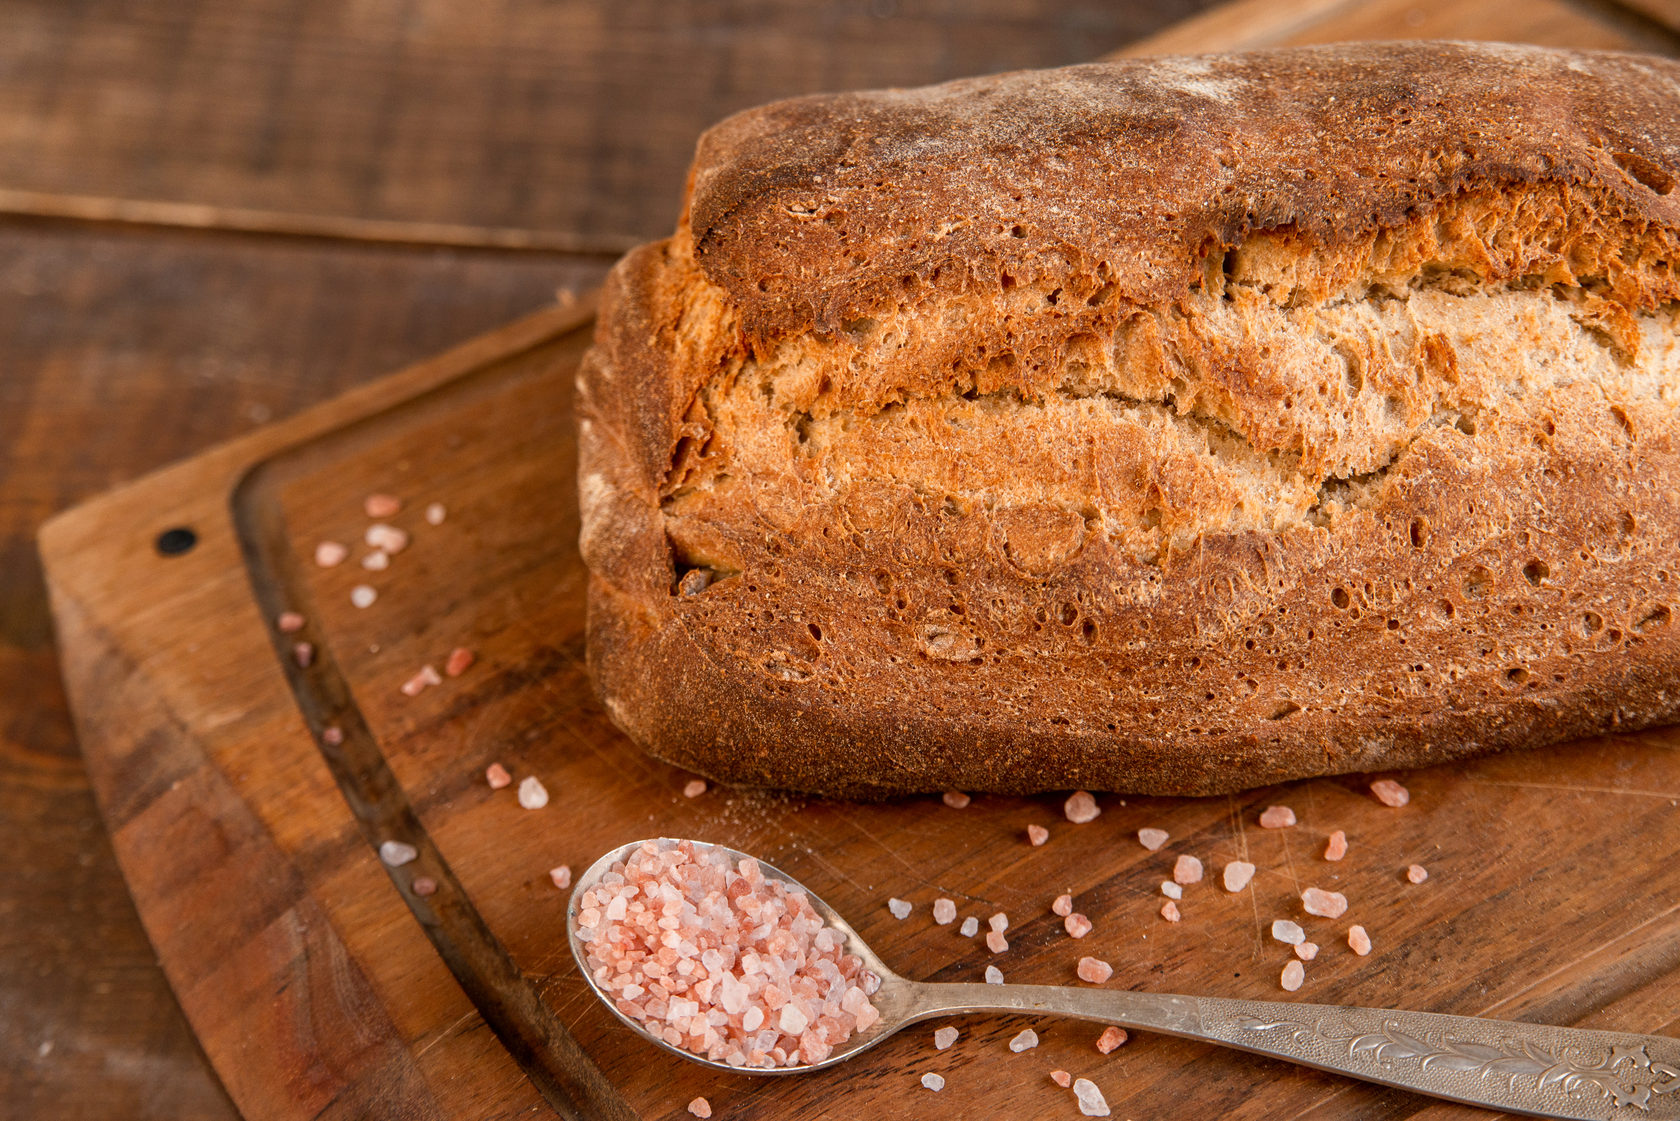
column 1238, row 873
column 1293, row 975
column 714, row 957
column 289, row 622
column 900, row 908
column 1091, row 1101
column 1078, row 925
column 970, row 927
column 1391, row 793
column 1081, row 808
column 694, row 787
column 426, row 677
column 994, row 975
column 1169, row 911
column 1152, row 839
column 956, row 799
column 304, row 654
column 700, row 1107
column 1187, row 870
column 1063, row 906
column 996, row 942
column 377, row 561
column 397, row 853
column 1094, row 970
column 435, row 513
column 1277, row 817
column 387, row 538
column 1306, row 951
column 1111, row 1038
column 363, row 595
column 497, row 776
column 944, row 912
column 1417, row 873
column 1286, row 930
column 381, row 505
column 1358, row 941
column 1037, row 835
column 330, row 554
column 1061, row 1078
column 1171, row 890
column 423, row 885
column 998, row 922
column 1025, row 1041
column 1325, row 904
column 459, row 662
column 1336, row 847
column 944, row 1037
column 532, row 794
column 332, row 735
column 933, row 1082
column 561, row 876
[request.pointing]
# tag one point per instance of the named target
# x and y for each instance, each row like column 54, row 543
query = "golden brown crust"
column 1307, row 411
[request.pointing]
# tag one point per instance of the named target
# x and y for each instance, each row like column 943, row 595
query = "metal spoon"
column 1520, row 1068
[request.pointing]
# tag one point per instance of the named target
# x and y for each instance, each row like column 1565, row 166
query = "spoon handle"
column 1521, row 1068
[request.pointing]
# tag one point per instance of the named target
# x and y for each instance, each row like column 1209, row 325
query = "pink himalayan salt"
column 700, row 1107
column 1078, row 926
column 1289, row 931
column 1172, row 890
column 460, row 661
column 1187, row 870
column 1237, row 875
column 1061, row 1078
column 1324, row 904
column 388, row 539
column 426, row 677
column 934, row 1082
column 330, row 554
column 1037, row 835
column 996, row 942
column 497, row 776
column 1391, row 793
column 363, row 595
column 332, row 735
column 1094, row 970
column 289, row 622
column 1358, row 941
column 1417, row 873
column 994, row 975
column 1336, row 847
column 1091, row 1101
column 1081, row 807
column 561, row 876
column 304, row 654
column 1063, row 906
column 1277, row 817
column 1025, row 1040
column 1152, row 839
column 694, row 787
column 944, row 912
column 1293, row 975
column 970, row 927
column 381, row 505
column 944, row 1037
column 1169, row 911
column 424, row 885
column 1111, row 1038
column 900, row 908
column 956, row 799
column 377, row 561
column 533, row 795
column 721, row 961
column 435, row 513
column 998, row 922
column 1306, row 951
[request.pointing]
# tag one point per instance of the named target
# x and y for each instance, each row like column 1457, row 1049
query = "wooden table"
column 216, row 216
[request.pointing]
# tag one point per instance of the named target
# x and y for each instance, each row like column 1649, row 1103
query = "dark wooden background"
column 216, row 212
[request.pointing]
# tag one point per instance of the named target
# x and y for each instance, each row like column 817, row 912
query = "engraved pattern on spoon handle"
column 1522, row 1068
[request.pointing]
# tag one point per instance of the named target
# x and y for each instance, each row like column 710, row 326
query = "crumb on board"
column 460, row 660
column 424, row 678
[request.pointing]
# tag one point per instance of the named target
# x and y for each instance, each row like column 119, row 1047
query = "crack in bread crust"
column 1310, row 473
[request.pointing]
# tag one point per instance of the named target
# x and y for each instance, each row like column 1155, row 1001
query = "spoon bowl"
column 1534, row 1069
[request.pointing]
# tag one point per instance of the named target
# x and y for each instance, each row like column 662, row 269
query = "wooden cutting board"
column 323, row 985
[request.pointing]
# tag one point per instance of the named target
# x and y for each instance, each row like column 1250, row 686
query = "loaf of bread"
column 1173, row 426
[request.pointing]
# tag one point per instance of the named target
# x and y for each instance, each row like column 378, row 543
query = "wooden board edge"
column 1238, row 25
column 61, row 535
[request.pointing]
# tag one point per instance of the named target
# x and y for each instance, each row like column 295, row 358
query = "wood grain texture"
column 125, row 350
column 573, row 118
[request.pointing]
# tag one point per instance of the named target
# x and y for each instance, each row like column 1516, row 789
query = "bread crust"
column 980, row 437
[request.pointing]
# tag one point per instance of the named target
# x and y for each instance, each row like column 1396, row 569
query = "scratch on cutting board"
column 1669, row 794
column 446, row 1033
column 1573, row 962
